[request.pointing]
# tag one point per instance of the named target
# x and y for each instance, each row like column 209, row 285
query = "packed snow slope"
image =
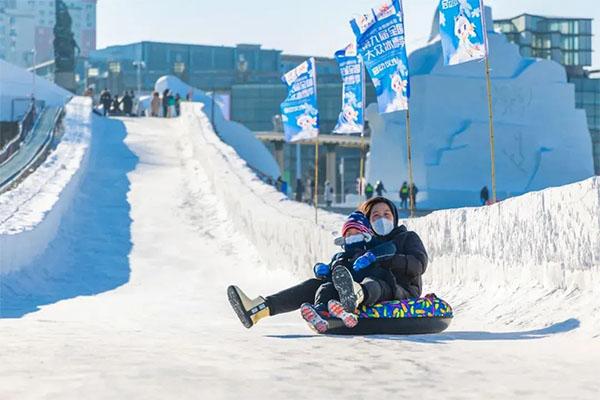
column 542, row 248
column 31, row 212
column 54, row 226
column 188, row 218
column 249, row 148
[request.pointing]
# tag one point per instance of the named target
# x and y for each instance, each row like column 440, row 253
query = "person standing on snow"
column 404, row 193
column 369, row 191
column 328, row 194
column 171, row 105
column 127, row 104
column 177, row 104
column 484, row 195
column 309, row 191
column 165, row 103
column 116, row 106
column 380, row 189
column 281, row 185
column 413, row 192
column 106, row 101
column 406, row 267
column 155, row 105
column 299, row 190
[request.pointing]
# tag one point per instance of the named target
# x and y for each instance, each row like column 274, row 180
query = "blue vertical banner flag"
column 462, row 30
column 381, row 43
column 299, row 112
column 351, row 119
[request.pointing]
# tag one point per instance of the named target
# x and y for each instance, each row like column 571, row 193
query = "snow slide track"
column 528, row 262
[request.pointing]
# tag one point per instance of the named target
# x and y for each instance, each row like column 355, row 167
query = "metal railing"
column 33, row 146
column 25, row 126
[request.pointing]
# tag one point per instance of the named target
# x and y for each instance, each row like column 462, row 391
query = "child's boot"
column 350, row 292
column 336, row 310
column 313, row 318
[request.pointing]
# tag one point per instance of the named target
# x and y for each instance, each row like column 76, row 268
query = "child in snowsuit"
column 344, row 285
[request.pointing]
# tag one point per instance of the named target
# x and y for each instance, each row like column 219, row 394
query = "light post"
column 33, row 73
column 179, row 69
column 114, row 67
column 86, row 69
column 342, row 173
column 139, row 65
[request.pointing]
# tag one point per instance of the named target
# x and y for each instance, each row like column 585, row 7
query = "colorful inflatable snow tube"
column 428, row 314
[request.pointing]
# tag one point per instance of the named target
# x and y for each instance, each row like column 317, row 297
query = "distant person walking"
column 299, row 190
column 328, row 194
column 413, row 194
column 165, row 103
column 484, row 195
column 155, row 105
column 177, row 104
column 106, row 101
column 281, row 185
column 127, row 104
column 404, row 193
column 369, row 191
column 116, row 106
column 380, row 189
column 171, row 104
column 310, row 187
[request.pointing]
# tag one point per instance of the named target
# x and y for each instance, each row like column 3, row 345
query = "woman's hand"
column 321, row 270
column 364, row 261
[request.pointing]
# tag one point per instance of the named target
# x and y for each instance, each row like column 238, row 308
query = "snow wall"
column 541, row 139
column 17, row 83
column 242, row 139
column 30, row 214
column 528, row 261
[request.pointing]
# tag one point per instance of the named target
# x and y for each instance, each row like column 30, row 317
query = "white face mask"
column 383, row 226
column 361, row 237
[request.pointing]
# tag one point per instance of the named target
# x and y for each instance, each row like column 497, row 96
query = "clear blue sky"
column 310, row 27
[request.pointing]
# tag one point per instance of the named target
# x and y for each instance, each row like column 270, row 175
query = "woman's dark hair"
column 368, row 205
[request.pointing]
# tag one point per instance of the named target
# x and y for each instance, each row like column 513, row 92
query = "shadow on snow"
column 451, row 336
column 89, row 254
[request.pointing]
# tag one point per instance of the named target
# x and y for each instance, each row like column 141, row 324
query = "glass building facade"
column 249, row 74
column 255, row 105
column 587, row 92
column 346, row 176
column 567, row 41
column 204, row 67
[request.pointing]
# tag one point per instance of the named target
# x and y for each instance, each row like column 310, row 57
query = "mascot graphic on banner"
column 462, row 30
column 307, row 123
column 399, row 93
column 466, row 50
column 348, row 119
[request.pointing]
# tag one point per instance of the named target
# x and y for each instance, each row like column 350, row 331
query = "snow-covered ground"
column 170, row 218
column 242, row 139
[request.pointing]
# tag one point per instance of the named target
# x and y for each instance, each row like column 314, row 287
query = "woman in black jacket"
column 405, row 268
column 409, row 262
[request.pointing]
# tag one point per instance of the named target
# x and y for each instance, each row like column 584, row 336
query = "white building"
column 26, row 25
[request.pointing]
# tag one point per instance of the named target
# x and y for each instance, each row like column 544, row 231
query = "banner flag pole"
column 361, row 189
column 491, row 112
column 316, row 185
column 411, row 185
column 361, row 185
